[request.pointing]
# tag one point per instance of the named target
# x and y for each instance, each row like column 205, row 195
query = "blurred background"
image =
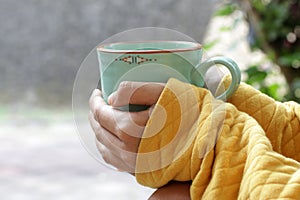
column 43, row 43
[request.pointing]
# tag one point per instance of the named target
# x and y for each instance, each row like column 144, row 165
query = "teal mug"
column 157, row 61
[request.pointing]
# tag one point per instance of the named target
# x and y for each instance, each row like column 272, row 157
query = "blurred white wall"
column 43, row 42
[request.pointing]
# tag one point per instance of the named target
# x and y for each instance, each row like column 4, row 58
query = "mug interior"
column 149, row 47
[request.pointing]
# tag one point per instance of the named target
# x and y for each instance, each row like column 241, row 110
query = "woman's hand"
column 118, row 132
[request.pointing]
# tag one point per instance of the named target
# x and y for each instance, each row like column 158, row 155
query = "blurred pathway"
column 48, row 162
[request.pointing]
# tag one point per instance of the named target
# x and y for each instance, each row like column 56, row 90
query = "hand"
column 118, row 133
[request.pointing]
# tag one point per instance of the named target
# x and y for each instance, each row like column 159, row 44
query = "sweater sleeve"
column 225, row 152
column 280, row 121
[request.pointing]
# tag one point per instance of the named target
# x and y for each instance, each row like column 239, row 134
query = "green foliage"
column 257, row 78
column 211, row 44
column 292, row 59
column 296, row 89
column 279, row 23
column 274, row 15
column 255, row 75
column 226, row 10
column 274, row 27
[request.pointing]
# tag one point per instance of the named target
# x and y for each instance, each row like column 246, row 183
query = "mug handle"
column 233, row 68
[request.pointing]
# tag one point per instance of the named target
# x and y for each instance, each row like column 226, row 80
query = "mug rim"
column 103, row 47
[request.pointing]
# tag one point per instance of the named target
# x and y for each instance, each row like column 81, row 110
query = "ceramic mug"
column 157, row 61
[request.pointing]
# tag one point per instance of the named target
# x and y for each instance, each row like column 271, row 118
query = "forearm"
column 173, row 190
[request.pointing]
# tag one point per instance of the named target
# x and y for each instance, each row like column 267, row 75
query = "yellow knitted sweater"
column 248, row 148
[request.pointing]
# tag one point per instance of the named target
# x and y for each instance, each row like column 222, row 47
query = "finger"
column 122, row 124
column 95, row 93
column 116, row 160
column 96, row 102
column 112, row 149
column 142, row 93
column 112, row 142
column 103, row 136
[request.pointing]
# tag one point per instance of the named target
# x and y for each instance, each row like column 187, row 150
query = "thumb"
column 141, row 93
